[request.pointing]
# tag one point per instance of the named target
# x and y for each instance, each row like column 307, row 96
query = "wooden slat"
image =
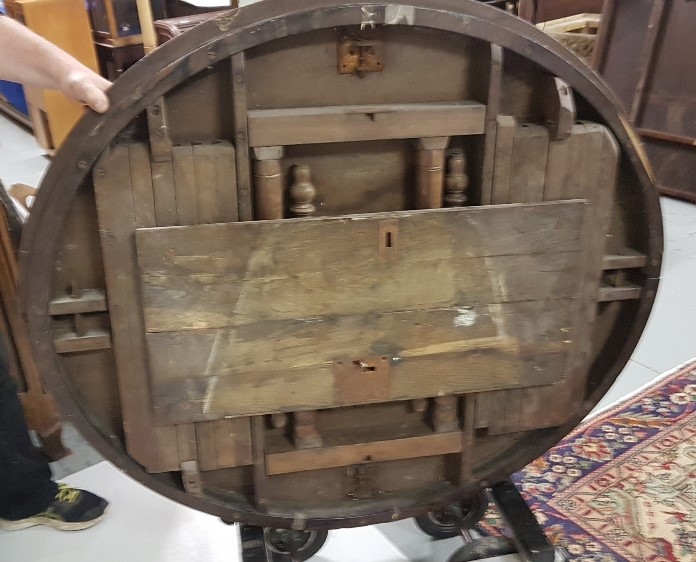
column 186, row 439
column 91, row 300
column 310, row 125
column 74, row 343
column 241, row 137
column 625, row 259
column 583, row 165
column 290, row 344
column 596, row 180
column 492, row 108
column 490, row 410
column 216, row 182
column 116, row 208
column 224, row 444
column 218, row 275
column 378, row 451
column 141, row 184
column 629, row 291
column 468, row 436
column 484, row 367
column 529, row 158
column 205, row 446
column 258, row 451
column 185, row 184
column 505, row 135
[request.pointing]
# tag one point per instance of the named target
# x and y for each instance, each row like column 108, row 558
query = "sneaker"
column 70, row 510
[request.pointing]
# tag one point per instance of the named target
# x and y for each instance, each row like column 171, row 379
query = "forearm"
column 30, row 59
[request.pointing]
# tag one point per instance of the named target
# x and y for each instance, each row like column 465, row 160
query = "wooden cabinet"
column 64, row 23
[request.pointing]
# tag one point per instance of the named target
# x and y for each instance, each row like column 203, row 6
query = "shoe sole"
column 6, row 525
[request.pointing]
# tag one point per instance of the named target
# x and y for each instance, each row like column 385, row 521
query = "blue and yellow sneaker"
column 70, row 510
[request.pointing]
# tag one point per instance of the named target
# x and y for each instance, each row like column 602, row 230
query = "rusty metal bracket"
column 357, row 55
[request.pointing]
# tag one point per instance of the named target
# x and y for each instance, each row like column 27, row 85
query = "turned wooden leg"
column 305, row 434
column 268, row 183
column 431, row 172
column 445, row 415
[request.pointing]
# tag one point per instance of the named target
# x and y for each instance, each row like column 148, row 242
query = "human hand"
column 84, row 86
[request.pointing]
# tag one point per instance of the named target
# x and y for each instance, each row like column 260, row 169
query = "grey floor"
column 159, row 530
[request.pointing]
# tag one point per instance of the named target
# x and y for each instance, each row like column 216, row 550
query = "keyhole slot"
column 388, row 239
column 365, row 367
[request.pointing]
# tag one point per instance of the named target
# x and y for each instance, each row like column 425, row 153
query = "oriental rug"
column 622, row 486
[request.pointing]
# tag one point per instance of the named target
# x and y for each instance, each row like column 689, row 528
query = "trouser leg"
column 26, row 487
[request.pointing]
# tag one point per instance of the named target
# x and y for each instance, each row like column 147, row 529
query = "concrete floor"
column 145, row 527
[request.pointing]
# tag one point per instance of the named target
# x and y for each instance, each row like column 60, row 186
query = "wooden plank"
column 89, row 300
column 74, row 343
column 176, row 304
column 224, row 157
column 629, row 291
column 184, row 166
column 492, row 108
column 596, row 179
column 536, row 166
column 233, row 442
column 483, row 368
column 241, row 138
column 224, row 444
column 219, row 275
column 141, row 184
column 258, row 448
column 116, row 206
column 186, row 439
column 503, row 159
column 360, row 453
column 513, row 410
column 165, row 195
column 529, row 158
column 627, row 258
column 490, row 410
column 216, row 182
column 310, row 125
column 205, row 446
column 278, row 345
column 468, row 437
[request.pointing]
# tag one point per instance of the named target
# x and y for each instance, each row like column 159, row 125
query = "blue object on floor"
column 14, row 94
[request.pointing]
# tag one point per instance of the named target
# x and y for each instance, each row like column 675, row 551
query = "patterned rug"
column 622, row 486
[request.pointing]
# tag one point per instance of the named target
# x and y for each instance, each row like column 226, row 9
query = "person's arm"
column 29, row 59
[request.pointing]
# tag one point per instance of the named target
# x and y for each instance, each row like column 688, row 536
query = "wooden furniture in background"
column 578, row 33
column 64, row 23
column 116, row 22
column 39, row 406
column 169, row 28
column 536, row 11
column 645, row 52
